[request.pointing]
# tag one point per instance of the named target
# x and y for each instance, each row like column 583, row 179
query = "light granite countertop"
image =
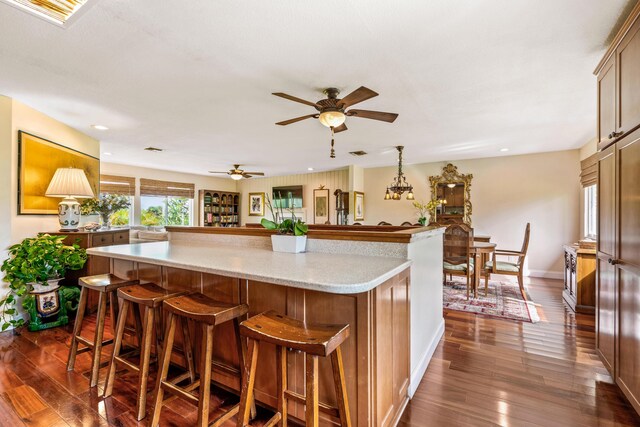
column 333, row 273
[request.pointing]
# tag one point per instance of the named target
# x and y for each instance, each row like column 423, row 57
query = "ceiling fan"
column 237, row 173
column 331, row 111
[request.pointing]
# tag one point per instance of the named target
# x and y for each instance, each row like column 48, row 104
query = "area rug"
column 504, row 300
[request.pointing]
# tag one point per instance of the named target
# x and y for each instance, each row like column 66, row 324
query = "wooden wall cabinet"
column 219, row 208
column 580, row 279
column 619, row 84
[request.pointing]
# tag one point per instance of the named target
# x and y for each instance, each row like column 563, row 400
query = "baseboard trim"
column 418, row 373
column 546, row 274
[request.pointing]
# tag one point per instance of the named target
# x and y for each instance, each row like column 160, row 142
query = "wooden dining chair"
column 384, row 223
column 457, row 255
column 511, row 268
column 406, row 223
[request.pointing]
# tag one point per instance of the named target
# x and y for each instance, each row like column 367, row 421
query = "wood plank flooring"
column 485, row 372
column 488, row 372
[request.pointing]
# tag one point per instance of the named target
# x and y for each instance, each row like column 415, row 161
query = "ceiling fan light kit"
column 237, row 174
column 332, row 112
column 399, row 184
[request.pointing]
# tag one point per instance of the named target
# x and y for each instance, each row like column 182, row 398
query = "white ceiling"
column 195, row 78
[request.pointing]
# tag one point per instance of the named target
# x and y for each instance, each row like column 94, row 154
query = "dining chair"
column 511, row 268
column 458, row 239
column 384, row 223
column 406, row 223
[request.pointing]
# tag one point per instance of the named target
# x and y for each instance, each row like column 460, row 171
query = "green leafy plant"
column 152, row 216
column 424, row 209
column 287, row 226
column 105, row 205
column 35, row 260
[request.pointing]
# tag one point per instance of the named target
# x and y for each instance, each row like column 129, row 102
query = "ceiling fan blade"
column 340, row 128
column 375, row 115
column 358, row 95
column 226, row 172
column 246, row 175
column 297, row 119
column 255, row 173
column 293, row 98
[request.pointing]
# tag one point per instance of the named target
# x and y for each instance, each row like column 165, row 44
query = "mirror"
column 453, row 190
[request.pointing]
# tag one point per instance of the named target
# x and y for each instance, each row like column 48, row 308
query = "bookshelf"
column 219, row 208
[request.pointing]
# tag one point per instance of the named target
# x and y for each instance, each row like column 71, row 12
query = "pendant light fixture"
column 399, row 184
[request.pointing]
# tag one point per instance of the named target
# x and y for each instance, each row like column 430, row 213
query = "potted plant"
column 424, row 209
column 33, row 270
column 105, row 205
column 291, row 233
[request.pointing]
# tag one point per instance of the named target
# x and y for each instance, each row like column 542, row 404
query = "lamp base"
column 69, row 214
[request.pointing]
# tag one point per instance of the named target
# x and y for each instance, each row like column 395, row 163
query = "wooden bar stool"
column 207, row 313
column 106, row 285
column 314, row 341
column 150, row 296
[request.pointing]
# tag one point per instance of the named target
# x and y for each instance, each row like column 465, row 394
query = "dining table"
column 481, row 251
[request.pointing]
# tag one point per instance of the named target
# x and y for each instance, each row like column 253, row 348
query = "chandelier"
column 399, row 184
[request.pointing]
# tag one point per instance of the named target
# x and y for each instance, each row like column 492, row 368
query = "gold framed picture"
column 358, row 206
column 256, row 204
column 38, row 160
column 320, row 205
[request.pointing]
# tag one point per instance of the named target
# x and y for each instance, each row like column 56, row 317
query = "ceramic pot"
column 290, row 244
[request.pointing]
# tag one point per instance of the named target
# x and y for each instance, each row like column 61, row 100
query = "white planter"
column 40, row 289
column 291, row 244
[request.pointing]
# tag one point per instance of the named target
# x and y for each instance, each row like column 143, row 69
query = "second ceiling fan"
column 332, row 111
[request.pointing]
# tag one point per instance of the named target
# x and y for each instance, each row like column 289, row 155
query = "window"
column 166, row 203
column 590, row 211
column 121, row 186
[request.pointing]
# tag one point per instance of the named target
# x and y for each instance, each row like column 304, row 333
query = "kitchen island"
column 369, row 293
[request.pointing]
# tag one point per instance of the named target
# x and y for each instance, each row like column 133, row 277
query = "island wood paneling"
column 376, row 354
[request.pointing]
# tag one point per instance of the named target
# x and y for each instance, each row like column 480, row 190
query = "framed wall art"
column 358, row 206
column 38, row 160
column 320, row 205
column 256, row 204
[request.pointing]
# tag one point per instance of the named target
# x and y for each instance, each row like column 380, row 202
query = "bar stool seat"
column 277, row 329
column 150, row 296
column 207, row 313
column 315, row 341
column 106, row 285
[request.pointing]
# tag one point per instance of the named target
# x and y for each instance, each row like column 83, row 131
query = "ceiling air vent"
column 358, row 153
column 59, row 12
column 154, row 149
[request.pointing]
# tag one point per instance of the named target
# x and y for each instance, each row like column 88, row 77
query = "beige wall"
column 5, row 179
column 506, row 193
column 201, row 182
column 29, row 120
column 331, row 180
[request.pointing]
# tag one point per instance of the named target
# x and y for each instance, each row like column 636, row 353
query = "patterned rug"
column 504, row 300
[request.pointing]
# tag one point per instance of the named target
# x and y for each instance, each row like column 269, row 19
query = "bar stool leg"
column 248, row 381
column 97, row 348
column 281, row 373
column 77, row 328
column 188, row 349
column 205, row 375
column 241, row 345
column 341, row 387
column 117, row 344
column 164, row 369
column 311, row 409
column 145, row 355
column 139, row 328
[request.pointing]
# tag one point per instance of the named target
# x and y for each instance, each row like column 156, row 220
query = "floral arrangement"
column 424, row 209
column 291, row 226
column 105, row 205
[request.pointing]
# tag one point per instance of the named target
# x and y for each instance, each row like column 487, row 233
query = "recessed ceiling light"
column 309, row 169
column 100, row 127
column 106, row 153
column 504, row 149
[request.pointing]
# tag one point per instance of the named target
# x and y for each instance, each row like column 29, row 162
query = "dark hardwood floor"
column 484, row 372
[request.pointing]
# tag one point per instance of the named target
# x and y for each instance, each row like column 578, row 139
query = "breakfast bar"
column 370, row 293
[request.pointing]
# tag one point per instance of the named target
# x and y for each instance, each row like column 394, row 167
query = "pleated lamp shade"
column 69, row 182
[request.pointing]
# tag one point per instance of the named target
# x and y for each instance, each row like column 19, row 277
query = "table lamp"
column 69, row 183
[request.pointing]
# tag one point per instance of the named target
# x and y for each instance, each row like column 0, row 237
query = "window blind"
column 589, row 171
column 152, row 187
column 113, row 184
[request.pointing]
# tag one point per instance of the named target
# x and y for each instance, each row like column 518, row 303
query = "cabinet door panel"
column 628, row 58
column 629, row 205
column 606, row 314
column 606, row 201
column 629, row 335
column 606, row 101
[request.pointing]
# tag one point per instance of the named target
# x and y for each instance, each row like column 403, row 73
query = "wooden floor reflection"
column 488, row 372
